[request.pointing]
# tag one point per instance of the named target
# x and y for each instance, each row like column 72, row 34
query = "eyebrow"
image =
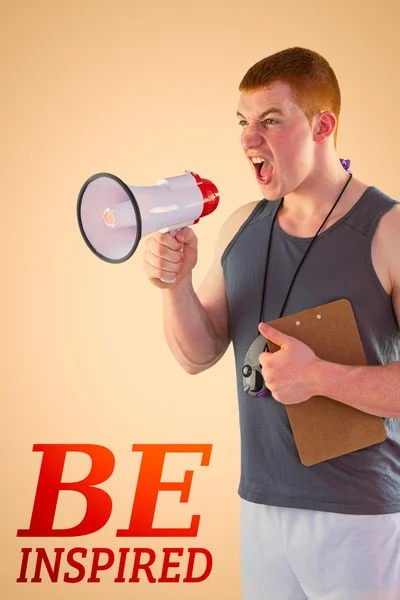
column 264, row 114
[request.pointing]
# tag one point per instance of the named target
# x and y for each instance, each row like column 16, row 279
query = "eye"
column 242, row 123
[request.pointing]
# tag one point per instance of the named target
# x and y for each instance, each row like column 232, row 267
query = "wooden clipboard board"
column 324, row 428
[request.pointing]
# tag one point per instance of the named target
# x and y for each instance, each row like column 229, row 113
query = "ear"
column 323, row 126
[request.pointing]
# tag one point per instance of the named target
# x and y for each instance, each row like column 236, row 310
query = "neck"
column 317, row 194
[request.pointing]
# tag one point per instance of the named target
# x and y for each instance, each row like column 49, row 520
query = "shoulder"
column 387, row 240
column 389, row 229
column 390, row 242
column 233, row 224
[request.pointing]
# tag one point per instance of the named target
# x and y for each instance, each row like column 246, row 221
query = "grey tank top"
column 339, row 265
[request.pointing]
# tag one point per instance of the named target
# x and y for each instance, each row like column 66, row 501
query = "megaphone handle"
column 172, row 232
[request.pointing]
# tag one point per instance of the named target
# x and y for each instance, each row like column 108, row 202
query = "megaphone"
column 113, row 217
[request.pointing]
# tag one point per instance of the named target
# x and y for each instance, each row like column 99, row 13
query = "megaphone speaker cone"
column 109, row 217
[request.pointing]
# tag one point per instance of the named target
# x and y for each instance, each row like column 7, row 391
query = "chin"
column 270, row 192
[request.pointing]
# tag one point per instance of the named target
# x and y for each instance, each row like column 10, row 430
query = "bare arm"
column 194, row 338
column 196, row 324
column 372, row 389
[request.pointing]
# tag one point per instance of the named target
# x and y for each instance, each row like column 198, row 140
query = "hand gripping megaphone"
column 113, row 217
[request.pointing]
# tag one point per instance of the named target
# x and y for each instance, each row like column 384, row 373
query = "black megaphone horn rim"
column 135, row 208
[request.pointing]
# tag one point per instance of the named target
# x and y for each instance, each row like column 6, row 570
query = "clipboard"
column 324, row 428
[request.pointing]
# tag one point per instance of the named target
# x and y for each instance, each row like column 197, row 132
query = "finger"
column 273, row 335
column 163, row 252
column 167, row 240
column 166, row 266
column 187, row 236
column 265, row 357
column 156, row 272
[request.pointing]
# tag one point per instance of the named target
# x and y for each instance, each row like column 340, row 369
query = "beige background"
column 144, row 90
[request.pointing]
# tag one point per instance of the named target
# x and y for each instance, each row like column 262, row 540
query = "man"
column 331, row 530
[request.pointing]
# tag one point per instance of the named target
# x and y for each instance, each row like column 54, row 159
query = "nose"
column 251, row 137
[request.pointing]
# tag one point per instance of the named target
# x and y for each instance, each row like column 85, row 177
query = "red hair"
column 312, row 80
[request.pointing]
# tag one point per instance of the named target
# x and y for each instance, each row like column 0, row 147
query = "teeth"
column 257, row 159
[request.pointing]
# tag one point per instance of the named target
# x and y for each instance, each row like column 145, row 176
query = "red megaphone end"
column 211, row 197
column 210, row 194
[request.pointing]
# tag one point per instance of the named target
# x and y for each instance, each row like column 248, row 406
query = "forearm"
column 189, row 332
column 374, row 390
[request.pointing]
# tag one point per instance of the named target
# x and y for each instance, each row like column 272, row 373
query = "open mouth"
column 262, row 171
column 257, row 167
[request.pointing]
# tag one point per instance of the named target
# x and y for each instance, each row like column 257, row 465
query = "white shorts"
column 297, row 554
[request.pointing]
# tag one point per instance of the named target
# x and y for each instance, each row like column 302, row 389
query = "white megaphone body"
column 113, row 217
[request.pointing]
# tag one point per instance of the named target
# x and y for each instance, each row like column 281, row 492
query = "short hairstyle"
column 313, row 83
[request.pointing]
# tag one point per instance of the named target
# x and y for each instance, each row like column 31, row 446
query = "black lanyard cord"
column 303, row 258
